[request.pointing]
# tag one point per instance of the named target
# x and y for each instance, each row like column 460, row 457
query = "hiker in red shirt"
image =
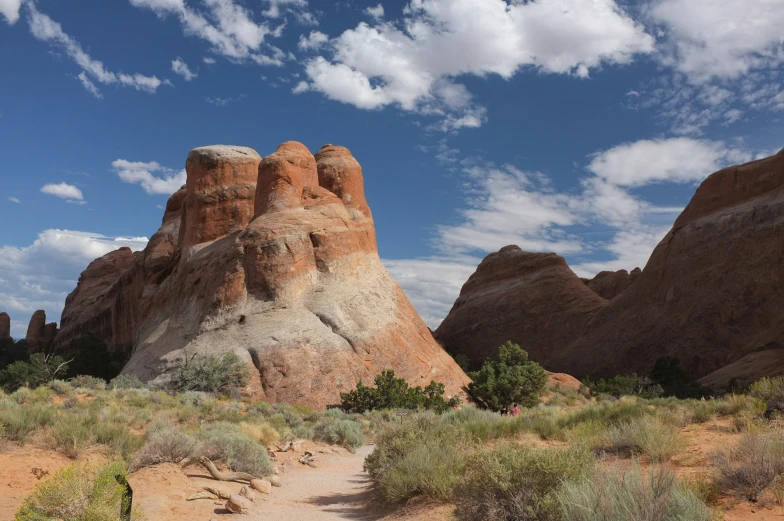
column 514, row 411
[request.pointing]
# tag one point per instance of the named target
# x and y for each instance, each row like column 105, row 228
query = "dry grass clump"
column 223, row 441
column 262, row 433
column 622, row 496
column 167, row 444
column 747, row 469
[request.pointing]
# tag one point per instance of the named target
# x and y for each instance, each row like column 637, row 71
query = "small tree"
column 510, row 379
column 40, row 369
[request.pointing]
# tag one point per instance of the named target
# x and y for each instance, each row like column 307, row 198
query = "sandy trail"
column 337, row 489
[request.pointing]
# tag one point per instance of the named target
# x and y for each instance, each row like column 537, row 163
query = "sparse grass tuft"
column 751, row 466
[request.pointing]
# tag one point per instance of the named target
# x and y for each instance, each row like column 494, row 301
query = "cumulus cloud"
column 314, row 40
column 377, row 12
column 227, row 26
column 708, row 39
column 602, row 223
column 373, row 66
column 41, row 275
column 679, row 160
column 10, row 10
column 64, row 191
column 180, row 67
column 166, row 182
column 47, row 30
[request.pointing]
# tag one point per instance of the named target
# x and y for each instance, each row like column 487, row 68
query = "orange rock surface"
column 295, row 288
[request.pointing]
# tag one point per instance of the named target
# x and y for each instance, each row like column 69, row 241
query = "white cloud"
column 603, row 223
column 227, row 26
column 301, row 87
column 181, row 68
column 432, row 284
column 708, row 39
column 314, row 40
column 679, row 160
column 64, row 191
column 10, row 10
column 137, row 172
column 41, row 275
column 89, row 85
column 209, row 61
column 222, row 102
column 47, row 30
column 376, row 66
column 297, row 8
column 14, row 200
column 377, row 12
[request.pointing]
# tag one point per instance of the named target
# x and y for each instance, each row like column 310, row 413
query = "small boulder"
column 262, row 485
column 248, row 493
column 238, row 504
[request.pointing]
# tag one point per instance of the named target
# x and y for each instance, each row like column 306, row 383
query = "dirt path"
column 337, row 490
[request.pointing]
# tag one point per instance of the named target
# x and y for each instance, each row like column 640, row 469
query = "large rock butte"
column 5, row 327
column 280, row 267
column 711, row 295
column 40, row 335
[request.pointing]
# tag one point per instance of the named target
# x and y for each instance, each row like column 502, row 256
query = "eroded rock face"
column 610, row 284
column 533, row 299
column 5, row 327
column 40, row 335
column 299, row 292
column 711, row 295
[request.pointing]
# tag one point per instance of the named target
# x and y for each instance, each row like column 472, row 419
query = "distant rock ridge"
column 711, row 294
column 610, row 284
column 273, row 259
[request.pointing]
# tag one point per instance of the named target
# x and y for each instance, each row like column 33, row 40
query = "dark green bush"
column 38, row 370
column 625, row 385
column 212, row 374
column 770, row 391
column 508, row 380
column 394, row 393
column 90, row 356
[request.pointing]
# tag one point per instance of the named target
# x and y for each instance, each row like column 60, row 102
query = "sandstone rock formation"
column 282, row 270
column 711, row 295
column 5, row 327
column 533, row 299
column 610, row 284
column 40, row 335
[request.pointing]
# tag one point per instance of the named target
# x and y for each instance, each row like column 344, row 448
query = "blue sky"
column 559, row 125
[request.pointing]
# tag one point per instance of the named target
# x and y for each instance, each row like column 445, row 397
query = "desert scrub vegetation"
column 647, row 435
column 78, row 493
column 752, row 466
column 391, row 392
column 615, row 495
column 213, row 374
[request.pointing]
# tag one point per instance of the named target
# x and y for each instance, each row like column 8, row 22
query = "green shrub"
column 117, row 438
column 21, row 421
column 90, row 356
column 77, row 493
column 72, row 433
column 61, row 387
column 394, row 393
column 212, row 374
column 517, row 483
column 770, row 391
column 674, row 381
column 508, row 380
column 419, row 455
column 126, row 381
column 751, row 466
column 304, row 432
column 167, row 444
column 617, row 496
column 88, row 382
column 346, row 433
column 223, row 441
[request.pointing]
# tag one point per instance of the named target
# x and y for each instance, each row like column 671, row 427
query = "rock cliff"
column 273, row 259
column 712, row 294
column 40, row 335
column 610, row 284
column 5, row 327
